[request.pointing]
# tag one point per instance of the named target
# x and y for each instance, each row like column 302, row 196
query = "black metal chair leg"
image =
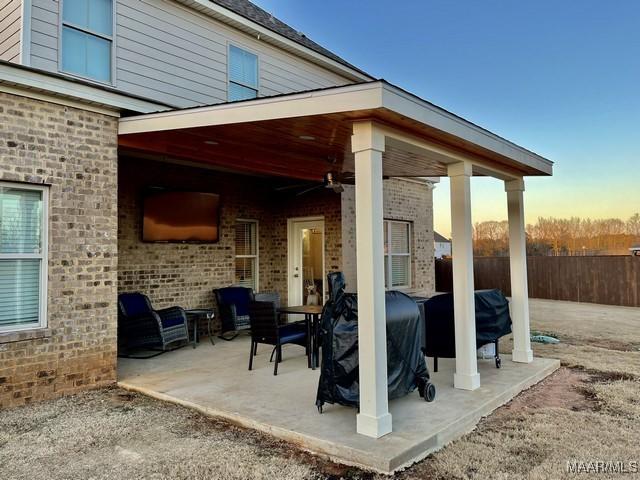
column 255, row 349
column 435, row 364
column 251, row 354
column 278, row 359
column 209, row 331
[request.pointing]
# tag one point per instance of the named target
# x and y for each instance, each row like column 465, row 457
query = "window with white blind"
column 247, row 253
column 397, row 254
column 23, row 256
column 87, row 38
column 243, row 74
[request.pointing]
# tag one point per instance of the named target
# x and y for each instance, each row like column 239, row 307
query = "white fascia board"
column 57, row 99
column 365, row 96
column 334, row 100
column 27, row 79
column 238, row 21
column 421, row 111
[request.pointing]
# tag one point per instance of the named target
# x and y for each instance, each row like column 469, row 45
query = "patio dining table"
column 312, row 315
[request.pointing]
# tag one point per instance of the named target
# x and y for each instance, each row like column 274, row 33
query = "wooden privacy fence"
column 609, row 280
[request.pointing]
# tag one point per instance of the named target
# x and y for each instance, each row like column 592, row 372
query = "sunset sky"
column 559, row 78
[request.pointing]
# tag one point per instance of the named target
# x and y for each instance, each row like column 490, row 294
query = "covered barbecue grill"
column 406, row 366
column 492, row 323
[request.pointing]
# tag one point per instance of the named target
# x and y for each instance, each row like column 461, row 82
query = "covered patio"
column 364, row 132
column 215, row 381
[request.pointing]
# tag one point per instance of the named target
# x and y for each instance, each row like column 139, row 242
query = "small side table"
column 196, row 314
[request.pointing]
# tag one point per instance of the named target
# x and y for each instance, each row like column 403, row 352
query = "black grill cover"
column 406, row 367
column 492, row 321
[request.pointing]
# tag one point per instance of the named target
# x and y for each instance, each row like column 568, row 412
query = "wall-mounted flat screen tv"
column 179, row 216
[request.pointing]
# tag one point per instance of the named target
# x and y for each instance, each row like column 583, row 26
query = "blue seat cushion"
column 134, row 304
column 293, row 337
column 169, row 321
column 293, row 333
column 238, row 296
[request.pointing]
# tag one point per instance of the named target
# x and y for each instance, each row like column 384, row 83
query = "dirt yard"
column 587, row 411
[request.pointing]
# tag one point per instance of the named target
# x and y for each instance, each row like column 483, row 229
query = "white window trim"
column 256, row 256
column 43, row 256
column 388, row 256
column 111, row 38
column 229, row 81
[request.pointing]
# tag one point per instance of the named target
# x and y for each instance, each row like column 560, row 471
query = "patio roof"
column 372, row 130
column 303, row 135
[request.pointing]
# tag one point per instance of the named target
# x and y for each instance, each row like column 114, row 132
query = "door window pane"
column 312, row 265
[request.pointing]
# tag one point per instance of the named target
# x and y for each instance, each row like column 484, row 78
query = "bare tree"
column 558, row 236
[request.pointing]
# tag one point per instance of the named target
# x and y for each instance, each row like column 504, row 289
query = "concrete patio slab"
column 215, row 381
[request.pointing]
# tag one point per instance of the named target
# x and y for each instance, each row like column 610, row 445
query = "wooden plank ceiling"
column 303, row 148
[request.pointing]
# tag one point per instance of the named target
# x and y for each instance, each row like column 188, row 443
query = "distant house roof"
column 439, row 238
column 254, row 13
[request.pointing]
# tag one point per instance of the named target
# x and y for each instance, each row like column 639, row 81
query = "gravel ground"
column 588, row 410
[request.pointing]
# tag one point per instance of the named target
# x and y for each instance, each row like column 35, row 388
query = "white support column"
column 518, row 265
column 374, row 419
column 466, row 376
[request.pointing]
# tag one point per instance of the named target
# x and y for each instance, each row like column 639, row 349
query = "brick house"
column 215, row 96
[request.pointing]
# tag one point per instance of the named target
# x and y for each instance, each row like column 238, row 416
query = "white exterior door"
column 306, row 261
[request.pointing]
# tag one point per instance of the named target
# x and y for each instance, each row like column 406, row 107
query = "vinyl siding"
column 170, row 53
column 44, row 34
column 10, row 23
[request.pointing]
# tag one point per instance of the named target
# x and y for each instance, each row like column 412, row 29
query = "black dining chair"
column 265, row 329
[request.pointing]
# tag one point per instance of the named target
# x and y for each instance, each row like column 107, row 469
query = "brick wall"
column 186, row 274
column 75, row 152
column 95, row 246
column 404, row 199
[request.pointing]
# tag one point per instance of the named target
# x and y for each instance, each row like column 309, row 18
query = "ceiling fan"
column 331, row 180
